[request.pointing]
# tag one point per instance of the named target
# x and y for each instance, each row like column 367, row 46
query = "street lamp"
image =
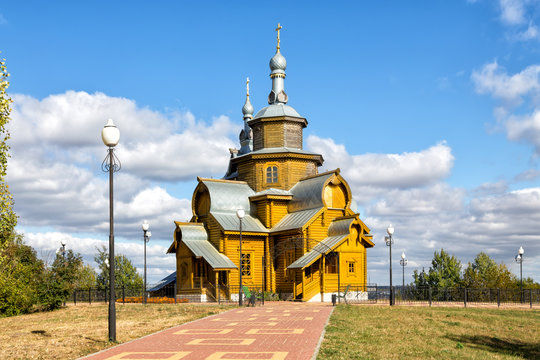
column 147, row 235
column 519, row 260
column 110, row 136
column 389, row 241
column 63, row 243
column 403, row 263
column 240, row 213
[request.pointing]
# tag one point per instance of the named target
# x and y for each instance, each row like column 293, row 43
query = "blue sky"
column 429, row 108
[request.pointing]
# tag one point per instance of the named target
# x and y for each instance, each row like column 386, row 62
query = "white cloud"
column 383, row 171
column 525, row 128
column 530, row 33
column 512, row 11
column 55, row 174
column 159, row 264
column 494, row 80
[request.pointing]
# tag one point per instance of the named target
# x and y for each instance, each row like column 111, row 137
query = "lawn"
column 79, row 330
column 400, row 332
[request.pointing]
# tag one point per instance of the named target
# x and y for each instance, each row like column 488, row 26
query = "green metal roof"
column 196, row 239
column 295, row 220
column 322, row 248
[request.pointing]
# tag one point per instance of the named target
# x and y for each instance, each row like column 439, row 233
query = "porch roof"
column 325, row 246
column 196, row 239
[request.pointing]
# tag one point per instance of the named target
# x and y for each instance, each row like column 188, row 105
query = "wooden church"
column 300, row 237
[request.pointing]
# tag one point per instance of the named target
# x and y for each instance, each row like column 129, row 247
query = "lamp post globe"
column 389, row 240
column 146, row 237
column 111, row 136
column 240, row 213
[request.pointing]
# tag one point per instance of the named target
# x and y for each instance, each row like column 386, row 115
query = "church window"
column 352, row 267
column 271, row 174
column 246, row 264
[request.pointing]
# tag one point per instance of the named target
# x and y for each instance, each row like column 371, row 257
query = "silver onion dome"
column 278, row 62
column 247, row 109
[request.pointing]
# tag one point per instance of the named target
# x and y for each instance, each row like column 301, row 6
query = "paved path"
column 278, row 331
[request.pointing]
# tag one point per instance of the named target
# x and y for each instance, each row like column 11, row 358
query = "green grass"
column 377, row 332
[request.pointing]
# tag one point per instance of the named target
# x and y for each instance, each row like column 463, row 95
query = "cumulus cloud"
column 54, row 171
column 159, row 265
column 494, row 80
column 429, row 214
column 378, row 172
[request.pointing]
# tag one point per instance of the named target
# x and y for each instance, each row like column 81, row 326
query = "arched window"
column 271, row 174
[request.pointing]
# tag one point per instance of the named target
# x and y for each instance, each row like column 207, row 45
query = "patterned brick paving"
column 272, row 332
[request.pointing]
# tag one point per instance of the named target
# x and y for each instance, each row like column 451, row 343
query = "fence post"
column 498, row 297
column 175, row 292
column 530, row 297
column 465, row 296
column 123, row 294
column 75, row 297
column 218, row 297
column 429, row 295
column 90, row 296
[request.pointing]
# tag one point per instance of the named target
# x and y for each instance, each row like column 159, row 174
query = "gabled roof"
column 295, row 220
column 230, row 222
column 194, row 236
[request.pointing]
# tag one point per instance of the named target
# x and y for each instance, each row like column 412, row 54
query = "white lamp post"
column 389, row 241
column 110, row 136
column 403, row 263
column 519, row 260
column 240, row 213
column 147, row 235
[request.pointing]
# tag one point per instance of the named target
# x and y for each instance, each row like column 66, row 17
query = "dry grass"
column 79, row 330
column 377, row 332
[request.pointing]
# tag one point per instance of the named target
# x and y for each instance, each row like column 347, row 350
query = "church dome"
column 278, row 62
column 247, row 109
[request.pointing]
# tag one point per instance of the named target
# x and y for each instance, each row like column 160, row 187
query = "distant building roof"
column 169, row 279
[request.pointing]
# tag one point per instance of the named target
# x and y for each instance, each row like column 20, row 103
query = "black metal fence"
column 410, row 295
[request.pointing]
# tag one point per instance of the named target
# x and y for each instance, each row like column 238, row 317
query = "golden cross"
column 279, row 27
column 247, row 86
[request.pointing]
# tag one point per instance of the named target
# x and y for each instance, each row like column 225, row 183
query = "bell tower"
column 273, row 156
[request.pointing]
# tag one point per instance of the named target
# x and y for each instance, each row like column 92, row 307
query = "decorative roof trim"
column 200, row 179
column 270, row 197
column 336, row 171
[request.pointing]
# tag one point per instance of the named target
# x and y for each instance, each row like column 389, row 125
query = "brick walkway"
column 272, row 332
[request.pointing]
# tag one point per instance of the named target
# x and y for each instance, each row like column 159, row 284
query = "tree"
column 420, row 278
column 445, row 271
column 125, row 273
column 8, row 218
column 484, row 272
column 21, row 272
column 86, row 278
